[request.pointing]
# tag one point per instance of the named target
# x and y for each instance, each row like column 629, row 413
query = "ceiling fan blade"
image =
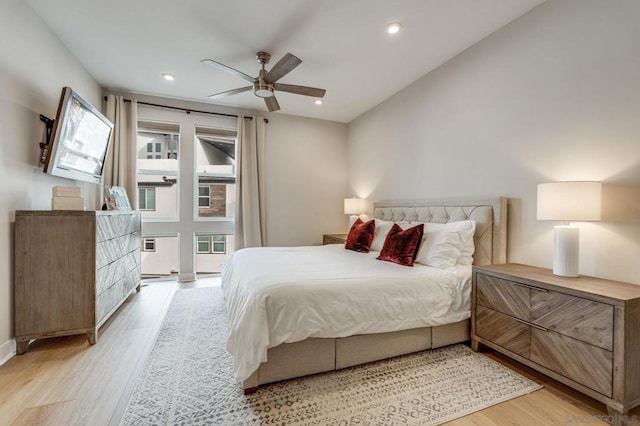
column 223, row 67
column 300, row 90
column 283, row 67
column 230, row 92
column 272, row 103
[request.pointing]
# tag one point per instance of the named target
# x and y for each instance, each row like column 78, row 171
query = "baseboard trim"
column 7, row 350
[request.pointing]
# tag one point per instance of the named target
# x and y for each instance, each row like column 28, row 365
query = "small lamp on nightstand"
column 355, row 207
column 568, row 201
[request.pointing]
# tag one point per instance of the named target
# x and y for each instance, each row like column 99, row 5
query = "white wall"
column 306, row 179
column 553, row 96
column 34, row 66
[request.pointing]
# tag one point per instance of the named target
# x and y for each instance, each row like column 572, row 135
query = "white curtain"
column 120, row 167
column 250, row 206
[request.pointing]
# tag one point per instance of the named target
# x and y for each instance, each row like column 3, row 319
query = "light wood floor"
column 66, row 381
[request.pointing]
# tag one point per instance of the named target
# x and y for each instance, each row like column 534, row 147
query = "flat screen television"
column 79, row 141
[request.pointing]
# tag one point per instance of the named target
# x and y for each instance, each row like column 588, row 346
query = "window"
column 203, row 196
column 154, row 154
column 172, row 149
column 218, row 243
column 146, row 198
column 203, row 244
column 174, row 158
column 214, row 244
column 149, row 244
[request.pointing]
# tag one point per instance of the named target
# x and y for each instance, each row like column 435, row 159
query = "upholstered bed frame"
column 316, row 355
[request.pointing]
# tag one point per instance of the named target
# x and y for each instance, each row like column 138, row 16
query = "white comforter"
column 284, row 295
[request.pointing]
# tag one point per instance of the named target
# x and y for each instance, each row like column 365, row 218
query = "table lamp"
column 568, row 201
column 354, row 207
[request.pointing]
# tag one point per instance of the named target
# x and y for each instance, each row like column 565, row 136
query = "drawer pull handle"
column 531, row 324
column 530, row 286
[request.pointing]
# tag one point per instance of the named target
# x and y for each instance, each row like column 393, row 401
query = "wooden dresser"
column 583, row 332
column 334, row 239
column 73, row 269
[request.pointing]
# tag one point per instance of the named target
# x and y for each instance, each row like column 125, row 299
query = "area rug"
column 187, row 379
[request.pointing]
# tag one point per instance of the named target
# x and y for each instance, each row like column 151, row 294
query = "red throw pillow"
column 401, row 246
column 360, row 236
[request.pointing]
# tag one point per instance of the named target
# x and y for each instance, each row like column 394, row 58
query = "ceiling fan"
column 265, row 83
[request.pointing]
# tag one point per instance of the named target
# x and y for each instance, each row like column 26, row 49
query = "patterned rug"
column 187, row 379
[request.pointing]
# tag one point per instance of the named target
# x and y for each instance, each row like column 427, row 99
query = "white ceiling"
column 126, row 45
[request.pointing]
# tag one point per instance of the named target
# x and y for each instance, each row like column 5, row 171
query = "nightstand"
column 580, row 331
column 334, row 239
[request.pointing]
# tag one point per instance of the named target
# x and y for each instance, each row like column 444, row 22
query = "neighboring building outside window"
column 146, row 198
column 148, row 244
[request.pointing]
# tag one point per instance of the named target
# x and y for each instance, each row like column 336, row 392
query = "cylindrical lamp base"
column 566, row 250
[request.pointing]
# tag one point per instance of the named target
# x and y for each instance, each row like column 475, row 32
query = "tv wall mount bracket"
column 44, row 146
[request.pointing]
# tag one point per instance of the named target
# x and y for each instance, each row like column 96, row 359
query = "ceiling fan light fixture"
column 394, row 28
column 167, row 76
column 318, row 101
column 263, row 91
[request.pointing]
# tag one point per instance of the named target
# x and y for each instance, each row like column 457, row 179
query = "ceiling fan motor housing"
column 263, row 58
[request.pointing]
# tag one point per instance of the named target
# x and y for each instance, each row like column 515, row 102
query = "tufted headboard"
column 490, row 215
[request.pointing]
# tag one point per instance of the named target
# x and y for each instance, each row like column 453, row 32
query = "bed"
column 258, row 341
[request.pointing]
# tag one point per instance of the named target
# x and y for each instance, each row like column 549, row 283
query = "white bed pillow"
column 380, row 234
column 439, row 249
column 382, row 229
column 464, row 229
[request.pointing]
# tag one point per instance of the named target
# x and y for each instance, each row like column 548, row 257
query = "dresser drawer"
column 582, row 319
column 111, row 250
column 586, row 364
column 503, row 296
column 116, row 225
column 114, row 271
column 108, row 300
column 503, row 330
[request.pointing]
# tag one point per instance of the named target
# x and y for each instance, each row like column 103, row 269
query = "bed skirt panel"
column 356, row 350
column 312, row 356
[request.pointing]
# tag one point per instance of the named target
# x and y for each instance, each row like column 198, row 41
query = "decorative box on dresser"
column 334, row 239
column 583, row 332
column 73, row 269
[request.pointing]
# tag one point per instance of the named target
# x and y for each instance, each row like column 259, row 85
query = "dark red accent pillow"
column 360, row 236
column 400, row 246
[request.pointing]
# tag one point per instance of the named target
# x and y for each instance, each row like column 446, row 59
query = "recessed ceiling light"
column 393, row 28
column 318, row 101
column 168, row 77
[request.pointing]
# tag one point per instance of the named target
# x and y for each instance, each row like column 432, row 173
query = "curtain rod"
column 187, row 110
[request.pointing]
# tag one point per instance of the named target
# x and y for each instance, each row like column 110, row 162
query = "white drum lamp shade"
column 568, row 201
column 354, row 207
